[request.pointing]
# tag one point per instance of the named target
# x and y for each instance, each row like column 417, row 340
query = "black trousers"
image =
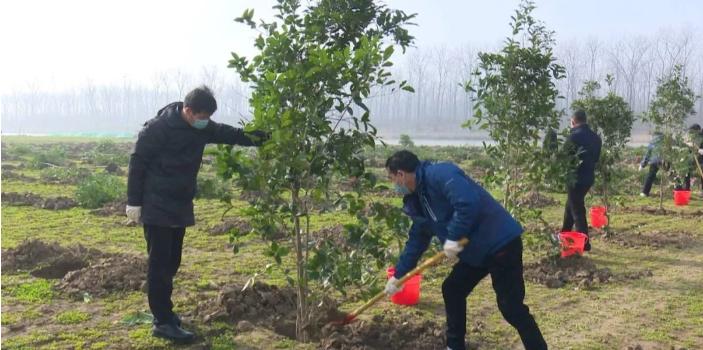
column 164, row 245
column 649, row 180
column 505, row 268
column 575, row 210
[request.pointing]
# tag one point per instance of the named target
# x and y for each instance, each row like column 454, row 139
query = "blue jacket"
column 450, row 205
column 653, row 155
column 588, row 145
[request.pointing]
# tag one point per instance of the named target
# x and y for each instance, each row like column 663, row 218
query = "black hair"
column 580, row 116
column 201, row 100
column 402, row 160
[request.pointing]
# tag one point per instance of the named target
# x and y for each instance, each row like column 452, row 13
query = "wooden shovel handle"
column 419, row 269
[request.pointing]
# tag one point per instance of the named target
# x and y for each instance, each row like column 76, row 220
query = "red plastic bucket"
column 598, row 218
column 681, row 197
column 572, row 243
column 410, row 294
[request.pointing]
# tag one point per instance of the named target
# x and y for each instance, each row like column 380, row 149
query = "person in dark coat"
column 444, row 202
column 654, row 160
column 161, row 185
column 587, row 146
column 695, row 142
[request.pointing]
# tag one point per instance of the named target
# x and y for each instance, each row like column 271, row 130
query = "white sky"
column 57, row 44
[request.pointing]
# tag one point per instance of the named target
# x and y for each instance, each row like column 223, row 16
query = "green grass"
column 72, row 317
column 38, row 291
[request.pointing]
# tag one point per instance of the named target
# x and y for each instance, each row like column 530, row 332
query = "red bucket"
column 572, row 243
column 598, row 218
column 681, row 197
column 410, row 294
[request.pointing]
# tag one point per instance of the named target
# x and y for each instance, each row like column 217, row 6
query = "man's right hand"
column 641, row 167
column 134, row 213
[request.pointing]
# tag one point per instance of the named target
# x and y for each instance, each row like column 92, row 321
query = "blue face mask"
column 200, row 123
column 402, row 189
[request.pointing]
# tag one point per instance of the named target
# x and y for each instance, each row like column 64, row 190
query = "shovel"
column 422, row 267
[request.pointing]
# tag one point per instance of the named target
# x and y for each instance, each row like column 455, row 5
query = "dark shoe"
column 176, row 319
column 173, row 333
column 587, row 246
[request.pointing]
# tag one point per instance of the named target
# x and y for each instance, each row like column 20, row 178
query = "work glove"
column 452, row 248
column 700, row 151
column 641, row 167
column 391, row 288
column 134, row 213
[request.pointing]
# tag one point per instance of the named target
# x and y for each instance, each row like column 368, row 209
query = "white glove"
column 452, row 248
column 391, row 288
column 134, row 214
column 700, row 151
column 641, row 167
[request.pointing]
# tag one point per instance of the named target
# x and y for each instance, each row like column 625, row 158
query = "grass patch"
column 72, row 317
column 34, row 292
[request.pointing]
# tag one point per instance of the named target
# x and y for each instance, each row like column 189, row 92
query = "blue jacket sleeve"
column 418, row 241
column 464, row 199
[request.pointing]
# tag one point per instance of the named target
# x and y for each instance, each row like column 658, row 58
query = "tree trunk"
column 301, row 309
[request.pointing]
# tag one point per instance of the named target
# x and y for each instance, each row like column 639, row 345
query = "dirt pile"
column 656, row 239
column 47, row 260
column 117, row 273
column 536, row 200
column 230, row 224
column 28, row 198
column 386, row 331
column 117, row 208
column 578, row 271
column 114, row 169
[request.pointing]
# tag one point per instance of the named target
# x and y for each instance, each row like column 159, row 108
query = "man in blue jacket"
column 587, row 145
column 443, row 201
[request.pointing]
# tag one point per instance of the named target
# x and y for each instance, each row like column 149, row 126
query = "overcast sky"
column 59, row 44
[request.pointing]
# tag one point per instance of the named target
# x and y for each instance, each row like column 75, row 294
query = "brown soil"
column 117, row 273
column 386, row 331
column 229, row 224
column 114, row 169
column 47, row 260
column 56, row 203
column 578, row 271
column 117, row 208
column 536, row 200
column 655, row 239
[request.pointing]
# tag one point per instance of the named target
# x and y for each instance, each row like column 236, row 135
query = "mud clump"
column 114, row 169
column 656, row 240
column 117, row 273
column 116, row 208
column 536, row 200
column 229, row 225
column 27, row 199
column 578, row 271
column 385, row 331
column 46, row 260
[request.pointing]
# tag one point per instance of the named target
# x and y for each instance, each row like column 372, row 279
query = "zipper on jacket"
column 426, row 204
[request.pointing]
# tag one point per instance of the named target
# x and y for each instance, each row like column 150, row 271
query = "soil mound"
column 117, row 208
column 117, row 273
column 47, row 260
column 656, row 239
column 230, row 224
column 536, row 200
column 579, row 271
column 28, row 198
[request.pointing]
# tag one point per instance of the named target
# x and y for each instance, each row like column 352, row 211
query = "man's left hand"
column 452, row 248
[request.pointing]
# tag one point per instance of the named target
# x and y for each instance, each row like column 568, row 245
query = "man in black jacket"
column 161, row 185
column 587, row 145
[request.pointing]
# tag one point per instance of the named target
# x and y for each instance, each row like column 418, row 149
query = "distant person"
column 587, row 146
column 443, row 201
column 652, row 158
column 161, row 185
column 551, row 141
column 695, row 142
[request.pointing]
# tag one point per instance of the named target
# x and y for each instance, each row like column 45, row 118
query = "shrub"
column 99, row 189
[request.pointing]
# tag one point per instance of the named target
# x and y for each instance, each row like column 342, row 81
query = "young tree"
column 314, row 68
column 612, row 118
column 515, row 102
column 673, row 103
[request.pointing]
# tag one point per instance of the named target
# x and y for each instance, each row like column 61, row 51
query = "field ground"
column 651, row 295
